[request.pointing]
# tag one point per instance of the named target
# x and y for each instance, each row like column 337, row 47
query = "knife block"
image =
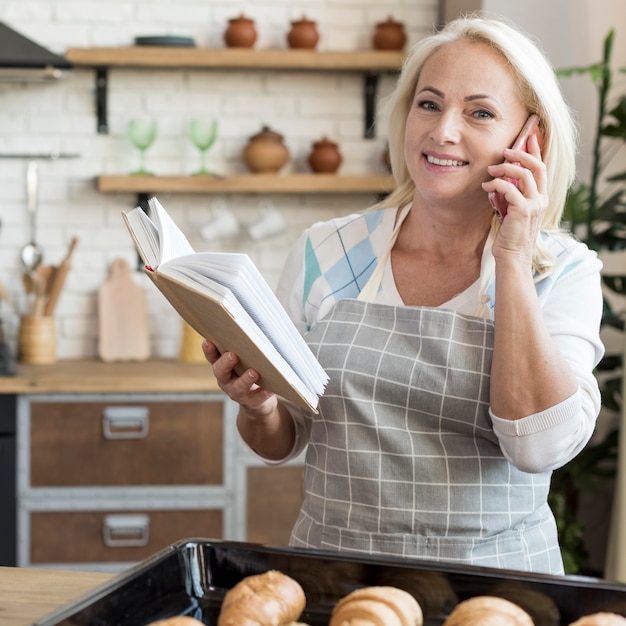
column 37, row 339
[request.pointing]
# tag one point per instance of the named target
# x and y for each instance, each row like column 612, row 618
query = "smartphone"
column 498, row 201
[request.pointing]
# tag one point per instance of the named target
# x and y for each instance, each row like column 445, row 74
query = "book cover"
column 225, row 299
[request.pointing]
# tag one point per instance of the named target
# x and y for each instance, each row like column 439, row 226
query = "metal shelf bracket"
column 102, row 88
column 370, row 89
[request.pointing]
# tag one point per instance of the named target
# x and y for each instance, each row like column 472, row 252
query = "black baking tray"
column 191, row 576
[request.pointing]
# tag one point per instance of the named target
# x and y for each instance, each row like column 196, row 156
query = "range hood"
column 23, row 59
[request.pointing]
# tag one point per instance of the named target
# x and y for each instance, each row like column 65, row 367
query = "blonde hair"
column 539, row 90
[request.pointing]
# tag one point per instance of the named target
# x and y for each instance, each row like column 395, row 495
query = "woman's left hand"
column 528, row 200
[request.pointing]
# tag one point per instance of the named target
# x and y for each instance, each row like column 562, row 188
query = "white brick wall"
column 60, row 117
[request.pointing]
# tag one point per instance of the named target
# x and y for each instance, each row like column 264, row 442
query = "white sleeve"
column 549, row 439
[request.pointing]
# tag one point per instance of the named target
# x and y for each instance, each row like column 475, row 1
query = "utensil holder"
column 37, row 339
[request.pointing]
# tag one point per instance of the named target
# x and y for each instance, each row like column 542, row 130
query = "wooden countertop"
column 27, row 595
column 165, row 376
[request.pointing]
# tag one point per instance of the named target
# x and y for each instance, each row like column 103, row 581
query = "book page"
column 240, row 275
column 172, row 241
column 144, row 234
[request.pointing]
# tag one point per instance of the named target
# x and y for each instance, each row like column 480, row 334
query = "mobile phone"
column 498, row 201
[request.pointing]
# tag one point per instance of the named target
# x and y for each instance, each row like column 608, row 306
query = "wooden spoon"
column 57, row 279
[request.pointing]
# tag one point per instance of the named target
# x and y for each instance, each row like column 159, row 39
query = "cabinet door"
column 80, row 444
column 109, row 537
column 273, row 502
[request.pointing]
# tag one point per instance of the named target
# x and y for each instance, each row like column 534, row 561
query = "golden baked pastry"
column 432, row 590
column 377, row 606
column 600, row 619
column 177, row 620
column 488, row 611
column 268, row 599
column 541, row 607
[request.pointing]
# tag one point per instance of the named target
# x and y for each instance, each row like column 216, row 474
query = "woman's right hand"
column 244, row 390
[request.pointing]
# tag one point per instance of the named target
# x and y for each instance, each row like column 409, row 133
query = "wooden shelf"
column 370, row 63
column 247, row 183
column 244, row 58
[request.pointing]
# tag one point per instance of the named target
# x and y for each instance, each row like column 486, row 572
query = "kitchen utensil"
column 56, row 279
column 122, row 317
column 32, row 253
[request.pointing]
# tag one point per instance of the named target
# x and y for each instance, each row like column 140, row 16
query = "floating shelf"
column 247, row 183
column 371, row 63
column 243, row 58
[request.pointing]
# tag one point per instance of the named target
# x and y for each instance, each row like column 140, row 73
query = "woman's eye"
column 427, row 105
column 482, row 114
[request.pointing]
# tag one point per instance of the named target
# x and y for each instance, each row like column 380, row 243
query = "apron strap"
column 368, row 293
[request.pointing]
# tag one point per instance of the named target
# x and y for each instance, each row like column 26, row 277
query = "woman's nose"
column 447, row 129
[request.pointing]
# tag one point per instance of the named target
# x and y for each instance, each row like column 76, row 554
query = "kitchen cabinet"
column 110, row 470
column 370, row 63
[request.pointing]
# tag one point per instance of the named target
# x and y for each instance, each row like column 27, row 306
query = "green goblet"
column 203, row 134
column 142, row 133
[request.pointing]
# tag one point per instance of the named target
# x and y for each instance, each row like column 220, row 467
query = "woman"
column 460, row 349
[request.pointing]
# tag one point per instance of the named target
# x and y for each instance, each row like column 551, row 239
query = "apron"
column 402, row 459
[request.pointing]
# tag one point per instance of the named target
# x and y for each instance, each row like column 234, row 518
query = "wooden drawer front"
column 75, row 444
column 108, row 537
column 273, row 503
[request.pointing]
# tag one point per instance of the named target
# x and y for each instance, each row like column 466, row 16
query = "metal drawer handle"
column 125, row 422
column 123, row 531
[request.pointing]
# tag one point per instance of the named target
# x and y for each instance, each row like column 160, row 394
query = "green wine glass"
column 203, row 134
column 142, row 133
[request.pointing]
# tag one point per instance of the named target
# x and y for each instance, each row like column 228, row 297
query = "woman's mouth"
column 445, row 162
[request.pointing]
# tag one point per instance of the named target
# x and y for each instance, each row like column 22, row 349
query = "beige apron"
column 402, row 458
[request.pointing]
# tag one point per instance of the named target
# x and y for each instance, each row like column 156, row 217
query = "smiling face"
column 466, row 110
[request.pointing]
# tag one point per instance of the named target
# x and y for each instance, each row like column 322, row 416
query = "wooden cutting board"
column 122, row 317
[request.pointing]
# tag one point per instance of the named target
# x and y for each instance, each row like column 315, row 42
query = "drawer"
column 109, row 537
column 80, row 444
column 274, row 497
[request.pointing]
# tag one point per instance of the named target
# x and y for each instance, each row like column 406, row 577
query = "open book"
column 225, row 298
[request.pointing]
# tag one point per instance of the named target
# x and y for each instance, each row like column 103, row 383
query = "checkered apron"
column 402, row 458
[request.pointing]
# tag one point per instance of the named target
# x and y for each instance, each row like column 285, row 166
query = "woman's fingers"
column 242, row 389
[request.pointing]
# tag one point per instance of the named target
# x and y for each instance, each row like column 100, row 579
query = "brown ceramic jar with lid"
column 240, row 33
column 303, row 34
column 266, row 152
column 325, row 156
column 389, row 35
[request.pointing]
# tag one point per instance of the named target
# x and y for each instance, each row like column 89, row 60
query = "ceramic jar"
column 240, row 33
column 303, row 34
column 266, row 152
column 325, row 157
column 389, row 35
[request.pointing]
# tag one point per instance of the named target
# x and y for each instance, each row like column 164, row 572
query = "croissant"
column 377, row 606
column 268, row 599
column 600, row 619
column 541, row 607
column 488, row 611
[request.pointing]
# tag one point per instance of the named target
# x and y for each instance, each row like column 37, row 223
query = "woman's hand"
column 263, row 423
column 528, row 200
column 243, row 389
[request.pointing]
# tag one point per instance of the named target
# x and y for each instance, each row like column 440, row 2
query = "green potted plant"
column 596, row 212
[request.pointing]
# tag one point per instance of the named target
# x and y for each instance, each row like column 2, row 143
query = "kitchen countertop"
column 30, row 594
column 93, row 376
